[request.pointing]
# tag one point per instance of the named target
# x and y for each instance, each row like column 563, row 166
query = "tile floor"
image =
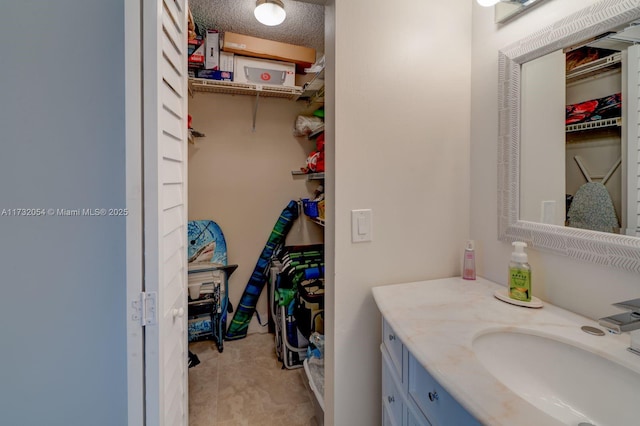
column 245, row 385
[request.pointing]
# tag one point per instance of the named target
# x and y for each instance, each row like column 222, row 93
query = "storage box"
column 226, row 61
column 193, row 44
column 241, row 44
column 212, row 56
column 263, row 71
column 302, row 79
column 196, row 58
column 199, row 327
column 215, row 75
column 310, row 207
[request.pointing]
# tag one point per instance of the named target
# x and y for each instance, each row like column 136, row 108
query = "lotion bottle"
column 469, row 263
column 519, row 274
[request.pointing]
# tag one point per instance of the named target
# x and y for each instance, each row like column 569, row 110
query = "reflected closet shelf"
column 596, row 124
column 595, row 68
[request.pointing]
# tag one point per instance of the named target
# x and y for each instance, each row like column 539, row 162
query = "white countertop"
column 438, row 320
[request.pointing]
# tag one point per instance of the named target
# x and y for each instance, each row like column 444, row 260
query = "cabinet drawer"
column 434, row 402
column 386, row 418
column 393, row 345
column 415, row 417
column 392, row 400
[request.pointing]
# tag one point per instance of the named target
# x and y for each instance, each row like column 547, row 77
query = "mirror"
column 576, row 153
column 505, row 10
column 517, row 64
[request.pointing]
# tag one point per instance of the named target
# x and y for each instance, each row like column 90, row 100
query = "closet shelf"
column 315, row 86
column 316, row 132
column 597, row 124
column 194, row 134
column 310, row 176
column 593, row 68
column 233, row 88
column 316, row 220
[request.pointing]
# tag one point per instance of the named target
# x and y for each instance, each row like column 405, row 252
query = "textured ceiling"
column 304, row 25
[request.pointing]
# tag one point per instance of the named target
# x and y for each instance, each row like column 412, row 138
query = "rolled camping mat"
column 247, row 306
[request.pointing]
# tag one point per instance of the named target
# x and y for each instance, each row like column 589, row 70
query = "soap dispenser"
column 519, row 274
column 469, row 262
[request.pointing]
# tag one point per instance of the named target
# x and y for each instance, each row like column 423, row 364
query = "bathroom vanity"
column 453, row 354
column 410, row 395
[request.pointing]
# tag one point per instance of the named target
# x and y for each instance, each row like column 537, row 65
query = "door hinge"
column 145, row 309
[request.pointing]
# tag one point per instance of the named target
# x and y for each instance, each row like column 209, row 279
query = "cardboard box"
column 196, row 59
column 241, row 44
column 263, row 71
column 215, row 75
column 193, row 44
column 226, row 61
column 212, row 56
column 302, row 79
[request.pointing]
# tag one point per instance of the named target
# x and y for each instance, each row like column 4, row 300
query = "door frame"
column 134, row 203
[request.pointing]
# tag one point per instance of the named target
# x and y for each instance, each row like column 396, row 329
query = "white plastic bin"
column 315, row 384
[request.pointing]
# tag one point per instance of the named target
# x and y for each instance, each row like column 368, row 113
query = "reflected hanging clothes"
column 593, row 209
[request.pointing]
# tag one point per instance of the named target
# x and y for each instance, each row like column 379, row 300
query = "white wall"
column 580, row 287
column 62, row 310
column 542, row 140
column 401, row 145
column 242, row 179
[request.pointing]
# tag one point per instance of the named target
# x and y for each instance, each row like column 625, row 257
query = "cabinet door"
column 394, row 347
column 433, row 400
column 415, row 417
column 392, row 401
column 386, row 417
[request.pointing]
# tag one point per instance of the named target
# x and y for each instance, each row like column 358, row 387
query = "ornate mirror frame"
column 618, row 251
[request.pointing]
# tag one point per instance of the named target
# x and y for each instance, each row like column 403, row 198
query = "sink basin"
column 570, row 383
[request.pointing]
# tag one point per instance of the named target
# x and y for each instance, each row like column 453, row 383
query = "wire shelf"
column 597, row 124
column 593, row 68
column 234, row 88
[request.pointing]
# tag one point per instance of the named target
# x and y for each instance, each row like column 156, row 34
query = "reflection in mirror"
column 594, row 140
column 574, row 164
column 548, row 150
column 508, row 9
column 542, row 153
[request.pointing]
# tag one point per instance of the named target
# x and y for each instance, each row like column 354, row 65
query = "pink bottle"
column 469, row 264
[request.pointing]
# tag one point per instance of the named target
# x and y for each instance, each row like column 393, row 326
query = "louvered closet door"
column 632, row 126
column 165, row 211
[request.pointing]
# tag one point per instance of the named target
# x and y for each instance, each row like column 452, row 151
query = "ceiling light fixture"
column 270, row 12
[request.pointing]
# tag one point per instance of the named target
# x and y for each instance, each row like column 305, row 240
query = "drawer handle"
column 392, row 337
column 391, row 399
column 433, row 396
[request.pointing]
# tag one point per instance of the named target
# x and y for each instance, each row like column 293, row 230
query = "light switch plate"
column 549, row 212
column 361, row 225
